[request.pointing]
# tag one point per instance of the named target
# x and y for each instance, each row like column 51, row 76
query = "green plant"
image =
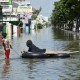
column 34, row 16
column 19, row 23
column 39, row 26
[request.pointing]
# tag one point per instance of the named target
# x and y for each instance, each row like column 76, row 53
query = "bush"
column 34, row 16
column 39, row 26
column 19, row 23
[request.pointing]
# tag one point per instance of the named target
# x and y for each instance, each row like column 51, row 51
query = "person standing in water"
column 6, row 44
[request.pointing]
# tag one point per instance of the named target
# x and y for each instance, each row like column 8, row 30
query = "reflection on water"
column 73, row 39
column 6, row 69
column 46, row 69
column 72, row 69
column 58, row 34
column 74, row 46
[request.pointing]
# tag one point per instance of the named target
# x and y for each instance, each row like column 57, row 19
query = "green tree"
column 66, row 12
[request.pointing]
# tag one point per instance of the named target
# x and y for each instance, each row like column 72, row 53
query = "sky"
column 46, row 5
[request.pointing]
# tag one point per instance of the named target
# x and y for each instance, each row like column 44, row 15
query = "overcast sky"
column 46, row 5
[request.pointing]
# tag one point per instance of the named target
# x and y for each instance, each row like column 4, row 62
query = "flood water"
column 46, row 69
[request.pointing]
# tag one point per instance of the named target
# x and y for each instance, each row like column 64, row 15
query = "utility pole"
column 1, row 14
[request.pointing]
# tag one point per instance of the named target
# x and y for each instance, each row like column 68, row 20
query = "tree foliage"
column 36, row 13
column 65, row 11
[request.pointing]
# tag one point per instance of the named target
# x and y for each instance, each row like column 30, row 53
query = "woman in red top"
column 7, row 46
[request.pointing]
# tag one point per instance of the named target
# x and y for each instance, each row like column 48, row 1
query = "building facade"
column 6, row 5
column 7, row 10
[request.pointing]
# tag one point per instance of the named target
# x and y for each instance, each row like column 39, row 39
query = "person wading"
column 6, row 44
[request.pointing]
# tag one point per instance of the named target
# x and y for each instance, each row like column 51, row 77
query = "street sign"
column 10, row 2
column 24, row 9
column 1, row 15
column 7, row 8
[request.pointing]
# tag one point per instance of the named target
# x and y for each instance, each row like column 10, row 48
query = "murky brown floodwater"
column 38, row 69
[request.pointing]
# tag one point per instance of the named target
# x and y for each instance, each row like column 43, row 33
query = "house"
column 7, row 10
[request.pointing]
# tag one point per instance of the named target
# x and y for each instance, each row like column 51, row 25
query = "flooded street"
column 18, row 68
column 46, row 69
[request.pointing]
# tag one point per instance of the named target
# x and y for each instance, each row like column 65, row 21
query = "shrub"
column 39, row 26
column 34, row 16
